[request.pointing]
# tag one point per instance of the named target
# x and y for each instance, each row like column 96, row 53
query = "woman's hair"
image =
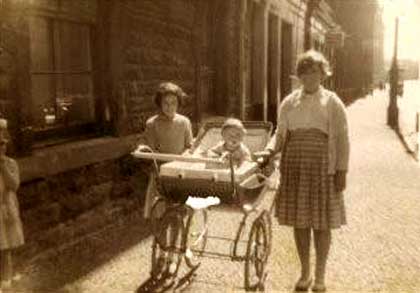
column 310, row 58
column 233, row 123
column 166, row 88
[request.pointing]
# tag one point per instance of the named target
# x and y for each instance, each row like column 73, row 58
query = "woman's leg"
column 303, row 243
column 322, row 247
column 6, row 269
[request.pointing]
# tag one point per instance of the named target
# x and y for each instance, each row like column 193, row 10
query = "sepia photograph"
column 209, row 146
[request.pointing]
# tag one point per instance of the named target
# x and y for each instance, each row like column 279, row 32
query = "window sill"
column 57, row 159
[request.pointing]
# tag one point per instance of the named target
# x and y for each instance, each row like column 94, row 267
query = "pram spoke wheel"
column 196, row 238
column 256, row 255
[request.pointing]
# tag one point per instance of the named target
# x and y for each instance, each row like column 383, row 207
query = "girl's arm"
column 10, row 171
column 149, row 134
column 188, row 135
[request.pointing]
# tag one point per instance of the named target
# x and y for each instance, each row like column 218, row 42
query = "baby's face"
column 232, row 137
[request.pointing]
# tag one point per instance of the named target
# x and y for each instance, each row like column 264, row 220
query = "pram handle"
column 172, row 157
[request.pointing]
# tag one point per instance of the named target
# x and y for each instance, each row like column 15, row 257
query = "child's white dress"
column 11, row 232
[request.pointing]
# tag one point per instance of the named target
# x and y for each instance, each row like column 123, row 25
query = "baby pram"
column 189, row 185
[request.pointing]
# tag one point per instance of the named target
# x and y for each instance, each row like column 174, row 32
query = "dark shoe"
column 302, row 286
column 319, row 288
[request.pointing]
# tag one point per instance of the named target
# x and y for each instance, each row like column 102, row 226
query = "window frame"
column 60, row 133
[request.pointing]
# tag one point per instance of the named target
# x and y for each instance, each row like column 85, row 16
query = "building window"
column 63, row 101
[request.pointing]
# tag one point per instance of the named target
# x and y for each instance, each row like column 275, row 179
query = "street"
column 378, row 250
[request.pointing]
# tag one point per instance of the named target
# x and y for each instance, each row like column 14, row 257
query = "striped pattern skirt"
column 306, row 197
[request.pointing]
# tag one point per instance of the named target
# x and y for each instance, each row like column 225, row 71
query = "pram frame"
column 180, row 216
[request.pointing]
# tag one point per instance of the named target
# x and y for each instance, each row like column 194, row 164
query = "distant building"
column 408, row 69
column 379, row 69
column 359, row 62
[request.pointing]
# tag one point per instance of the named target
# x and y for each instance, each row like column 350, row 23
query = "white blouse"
column 327, row 113
column 309, row 111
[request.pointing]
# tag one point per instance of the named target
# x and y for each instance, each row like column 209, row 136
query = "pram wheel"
column 168, row 245
column 256, row 255
column 196, row 238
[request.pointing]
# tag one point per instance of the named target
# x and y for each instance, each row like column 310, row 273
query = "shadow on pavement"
column 52, row 274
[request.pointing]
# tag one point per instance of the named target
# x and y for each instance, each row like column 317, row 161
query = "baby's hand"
column 225, row 156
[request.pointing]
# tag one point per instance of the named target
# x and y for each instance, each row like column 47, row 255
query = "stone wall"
column 63, row 208
column 14, row 68
column 156, row 39
column 71, row 190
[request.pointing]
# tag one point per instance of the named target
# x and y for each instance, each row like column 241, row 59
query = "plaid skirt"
column 306, row 197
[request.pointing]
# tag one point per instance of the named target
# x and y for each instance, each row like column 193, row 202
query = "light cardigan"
column 338, row 139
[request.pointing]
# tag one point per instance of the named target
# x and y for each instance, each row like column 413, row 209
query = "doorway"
column 286, row 59
column 273, row 68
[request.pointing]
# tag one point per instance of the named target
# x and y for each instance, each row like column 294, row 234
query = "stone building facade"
column 77, row 80
column 361, row 57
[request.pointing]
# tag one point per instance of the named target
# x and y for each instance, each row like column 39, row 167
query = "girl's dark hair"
column 169, row 88
column 310, row 58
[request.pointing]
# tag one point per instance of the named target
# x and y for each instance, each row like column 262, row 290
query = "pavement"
column 377, row 251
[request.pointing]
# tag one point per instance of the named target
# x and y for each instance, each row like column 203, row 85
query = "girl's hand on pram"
column 142, row 148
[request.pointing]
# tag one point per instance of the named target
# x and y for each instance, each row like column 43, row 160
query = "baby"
column 233, row 132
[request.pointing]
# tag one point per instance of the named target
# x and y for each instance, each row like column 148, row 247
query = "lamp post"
column 393, row 82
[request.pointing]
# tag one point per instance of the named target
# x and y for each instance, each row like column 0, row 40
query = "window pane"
column 43, row 98
column 41, row 45
column 62, row 90
column 77, row 99
column 75, row 47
